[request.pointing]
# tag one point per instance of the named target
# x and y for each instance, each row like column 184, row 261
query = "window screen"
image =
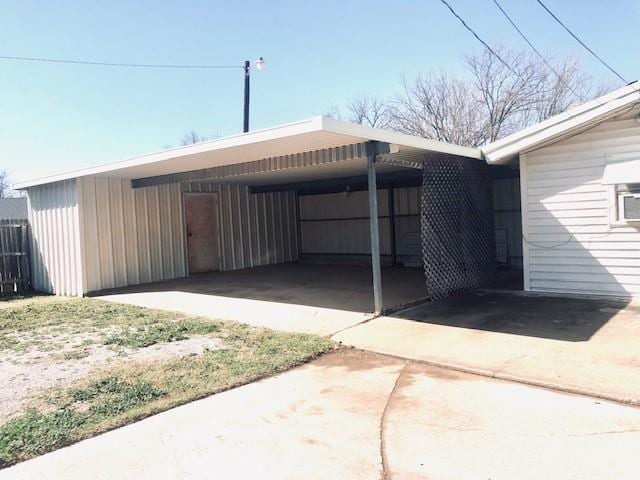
column 631, row 207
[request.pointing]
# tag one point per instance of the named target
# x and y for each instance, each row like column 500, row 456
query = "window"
column 622, row 177
column 629, row 207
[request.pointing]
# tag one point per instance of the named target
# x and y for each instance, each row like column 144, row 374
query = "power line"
column 486, row 45
column 580, row 41
column 542, row 57
column 108, row 64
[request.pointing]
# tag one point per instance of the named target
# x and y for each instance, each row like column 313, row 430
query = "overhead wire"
column 537, row 52
column 115, row 64
column 580, row 41
column 486, row 45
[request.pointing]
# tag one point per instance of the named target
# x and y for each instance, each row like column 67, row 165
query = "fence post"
column 14, row 259
column 25, row 263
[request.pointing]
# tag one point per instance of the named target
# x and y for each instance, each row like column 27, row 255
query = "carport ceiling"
column 309, row 135
column 346, row 168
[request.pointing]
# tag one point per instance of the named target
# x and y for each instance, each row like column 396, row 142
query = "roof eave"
column 351, row 132
column 575, row 119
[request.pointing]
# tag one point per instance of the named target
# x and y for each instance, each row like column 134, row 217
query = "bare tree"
column 528, row 92
column 370, row 111
column 5, row 184
column 438, row 106
column 491, row 102
column 363, row 110
column 191, row 137
column 334, row 111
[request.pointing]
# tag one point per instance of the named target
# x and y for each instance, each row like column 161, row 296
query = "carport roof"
column 315, row 133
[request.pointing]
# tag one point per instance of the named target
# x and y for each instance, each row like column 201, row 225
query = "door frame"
column 185, row 195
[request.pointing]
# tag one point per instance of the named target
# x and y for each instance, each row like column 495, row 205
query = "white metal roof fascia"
column 353, row 133
column 296, row 128
column 346, row 128
column 574, row 118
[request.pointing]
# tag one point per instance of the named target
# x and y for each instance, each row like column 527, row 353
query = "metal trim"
column 271, row 164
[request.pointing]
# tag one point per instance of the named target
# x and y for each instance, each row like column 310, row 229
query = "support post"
column 372, row 151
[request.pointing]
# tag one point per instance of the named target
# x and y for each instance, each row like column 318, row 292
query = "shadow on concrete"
column 570, row 319
column 326, row 286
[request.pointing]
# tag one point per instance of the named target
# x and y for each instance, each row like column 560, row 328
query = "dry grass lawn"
column 72, row 368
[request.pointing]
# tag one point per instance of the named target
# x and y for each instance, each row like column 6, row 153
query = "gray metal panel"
column 337, row 224
column 130, row 236
column 55, row 238
column 507, row 215
column 256, row 229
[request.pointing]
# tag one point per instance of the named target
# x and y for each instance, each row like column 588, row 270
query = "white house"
column 580, row 196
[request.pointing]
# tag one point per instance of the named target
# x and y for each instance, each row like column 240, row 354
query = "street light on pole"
column 260, row 65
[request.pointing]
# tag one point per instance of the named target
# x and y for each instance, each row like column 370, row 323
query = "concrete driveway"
column 319, row 299
column 359, row 415
column 578, row 345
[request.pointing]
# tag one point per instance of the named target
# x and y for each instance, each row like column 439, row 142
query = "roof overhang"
column 563, row 125
column 317, row 133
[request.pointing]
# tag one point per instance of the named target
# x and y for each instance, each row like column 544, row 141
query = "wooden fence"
column 14, row 259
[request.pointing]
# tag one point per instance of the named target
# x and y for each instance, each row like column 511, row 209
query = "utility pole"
column 247, row 69
column 260, row 65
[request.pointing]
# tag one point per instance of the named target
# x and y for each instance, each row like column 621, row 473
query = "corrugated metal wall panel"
column 406, row 202
column 334, row 224
column 55, row 238
column 571, row 245
column 507, row 216
column 130, row 236
column 256, row 228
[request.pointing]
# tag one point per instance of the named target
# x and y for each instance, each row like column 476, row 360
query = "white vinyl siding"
column 56, row 262
column 570, row 245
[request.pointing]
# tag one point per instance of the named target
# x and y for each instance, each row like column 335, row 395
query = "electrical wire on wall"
column 572, row 236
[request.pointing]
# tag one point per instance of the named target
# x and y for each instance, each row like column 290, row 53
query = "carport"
column 312, row 193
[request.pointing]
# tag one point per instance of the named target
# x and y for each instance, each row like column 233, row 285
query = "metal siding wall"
column 334, row 224
column 256, row 228
column 55, row 238
column 407, row 210
column 507, row 215
column 131, row 236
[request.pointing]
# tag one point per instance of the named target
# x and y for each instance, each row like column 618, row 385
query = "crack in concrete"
column 383, row 418
column 483, row 431
column 517, row 358
column 367, row 319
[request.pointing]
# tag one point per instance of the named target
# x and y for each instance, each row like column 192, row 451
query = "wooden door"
column 203, row 232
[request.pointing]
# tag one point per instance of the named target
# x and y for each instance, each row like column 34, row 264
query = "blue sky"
column 58, row 117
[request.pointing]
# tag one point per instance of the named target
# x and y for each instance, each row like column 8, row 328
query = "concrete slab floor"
column 579, row 345
column 320, row 299
column 359, row 415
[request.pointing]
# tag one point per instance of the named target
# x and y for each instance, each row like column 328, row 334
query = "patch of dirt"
column 23, row 374
column 194, row 345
